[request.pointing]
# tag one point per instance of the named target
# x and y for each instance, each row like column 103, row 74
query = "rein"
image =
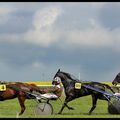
column 7, row 83
column 101, row 91
column 17, row 88
column 25, row 91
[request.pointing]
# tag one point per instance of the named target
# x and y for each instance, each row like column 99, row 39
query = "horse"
column 21, row 91
column 75, row 88
column 16, row 90
column 116, row 79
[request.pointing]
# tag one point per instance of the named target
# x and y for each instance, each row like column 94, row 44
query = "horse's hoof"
column 89, row 113
column 20, row 113
column 71, row 108
column 59, row 112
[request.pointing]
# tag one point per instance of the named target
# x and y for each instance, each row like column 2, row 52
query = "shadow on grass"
column 83, row 114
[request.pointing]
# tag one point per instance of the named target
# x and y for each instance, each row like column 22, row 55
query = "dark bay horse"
column 13, row 91
column 74, row 89
column 116, row 79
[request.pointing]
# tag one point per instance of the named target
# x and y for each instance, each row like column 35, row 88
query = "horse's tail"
column 109, row 87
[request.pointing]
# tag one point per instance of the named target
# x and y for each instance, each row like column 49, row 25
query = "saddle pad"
column 2, row 87
column 77, row 85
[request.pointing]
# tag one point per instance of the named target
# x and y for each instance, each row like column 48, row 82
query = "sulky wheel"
column 43, row 108
column 114, row 107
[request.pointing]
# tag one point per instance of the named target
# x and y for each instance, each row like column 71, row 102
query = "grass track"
column 9, row 109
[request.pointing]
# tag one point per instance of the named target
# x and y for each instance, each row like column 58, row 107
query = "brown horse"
column 16, row 90
column 21, row 91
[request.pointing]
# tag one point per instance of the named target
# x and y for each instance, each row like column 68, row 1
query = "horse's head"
column 116, row 80
column 60, row 77
column 63, row 77
column 56, row 78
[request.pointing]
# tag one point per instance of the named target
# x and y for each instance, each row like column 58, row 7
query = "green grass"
column 9, row 109
column 82, row 105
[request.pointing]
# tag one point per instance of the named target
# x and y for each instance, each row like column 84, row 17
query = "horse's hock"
column 114, row 107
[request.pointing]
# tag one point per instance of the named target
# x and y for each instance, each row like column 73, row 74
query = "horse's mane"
column 70, row 77
column 118, row 74
column 73, row 78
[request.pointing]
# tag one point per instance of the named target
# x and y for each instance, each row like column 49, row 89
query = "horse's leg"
column 94, row 102
column 68, row 99
column 70, row 108
column 21, row 101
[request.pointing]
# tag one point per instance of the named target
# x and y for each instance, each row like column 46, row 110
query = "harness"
column 2, row 87
column 77, row 85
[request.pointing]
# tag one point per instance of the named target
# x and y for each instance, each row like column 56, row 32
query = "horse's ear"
column 58, row 70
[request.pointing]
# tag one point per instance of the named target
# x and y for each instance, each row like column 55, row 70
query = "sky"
column 38, row 38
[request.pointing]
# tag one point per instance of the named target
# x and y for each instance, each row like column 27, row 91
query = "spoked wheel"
column 43, row 108
column 114, row 107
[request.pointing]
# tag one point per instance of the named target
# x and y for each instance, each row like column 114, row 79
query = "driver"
column 54, row 92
